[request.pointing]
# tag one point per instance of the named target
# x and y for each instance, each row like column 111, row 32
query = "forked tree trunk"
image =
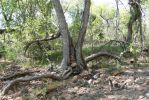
column 72, row 54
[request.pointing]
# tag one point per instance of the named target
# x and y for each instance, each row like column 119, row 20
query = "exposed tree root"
column 70, row 70
column 96, row 55
column 16, row 75
column 30, row 78
column 65, row 75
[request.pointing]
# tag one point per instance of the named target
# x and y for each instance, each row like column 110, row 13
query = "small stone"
column 75, row 79
column 90, row 81
column 53, row 73
column 140, row 97
column 18, row 98
column 147, row 94
column 96, row 76
column 76, row 88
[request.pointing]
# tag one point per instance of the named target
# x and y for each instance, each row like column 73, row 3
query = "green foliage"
column 36, row 19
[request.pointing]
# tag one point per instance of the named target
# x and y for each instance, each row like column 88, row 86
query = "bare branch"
column 40, row 40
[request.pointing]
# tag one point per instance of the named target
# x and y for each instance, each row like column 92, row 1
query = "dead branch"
column 16, row 75
column 41, row 40
column 30, row 78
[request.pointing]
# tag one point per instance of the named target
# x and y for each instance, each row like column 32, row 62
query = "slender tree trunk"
column 65, row 33
column 140, row 24
column 130, row 30
column 79, row 56
column 135, row 14
column 117, row 16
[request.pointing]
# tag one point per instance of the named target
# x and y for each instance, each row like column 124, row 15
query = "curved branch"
column 96, row 55
column 40, row 40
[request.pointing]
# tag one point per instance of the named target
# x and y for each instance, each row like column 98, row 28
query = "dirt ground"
column 128, row 84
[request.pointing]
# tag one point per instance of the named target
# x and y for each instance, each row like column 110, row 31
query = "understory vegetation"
column 74, row 50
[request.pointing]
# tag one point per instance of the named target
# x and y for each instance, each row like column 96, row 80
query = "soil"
column 127, row 84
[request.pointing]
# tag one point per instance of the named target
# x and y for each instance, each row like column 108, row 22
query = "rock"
column 147, row 94
column 90, row 81
column 53, row 73
column 140, row 97
column 96, row 76
column 75, row 79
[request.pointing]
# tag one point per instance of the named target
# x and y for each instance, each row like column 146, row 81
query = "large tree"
column 72, row 53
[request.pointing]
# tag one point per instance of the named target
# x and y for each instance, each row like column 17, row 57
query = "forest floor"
column 129, row 83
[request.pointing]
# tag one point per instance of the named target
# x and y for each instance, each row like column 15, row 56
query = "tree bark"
column 140, row 24
column 117, row 17
column 135, row 14
column 72, row 54
column 64, row 32
column 79, row 56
